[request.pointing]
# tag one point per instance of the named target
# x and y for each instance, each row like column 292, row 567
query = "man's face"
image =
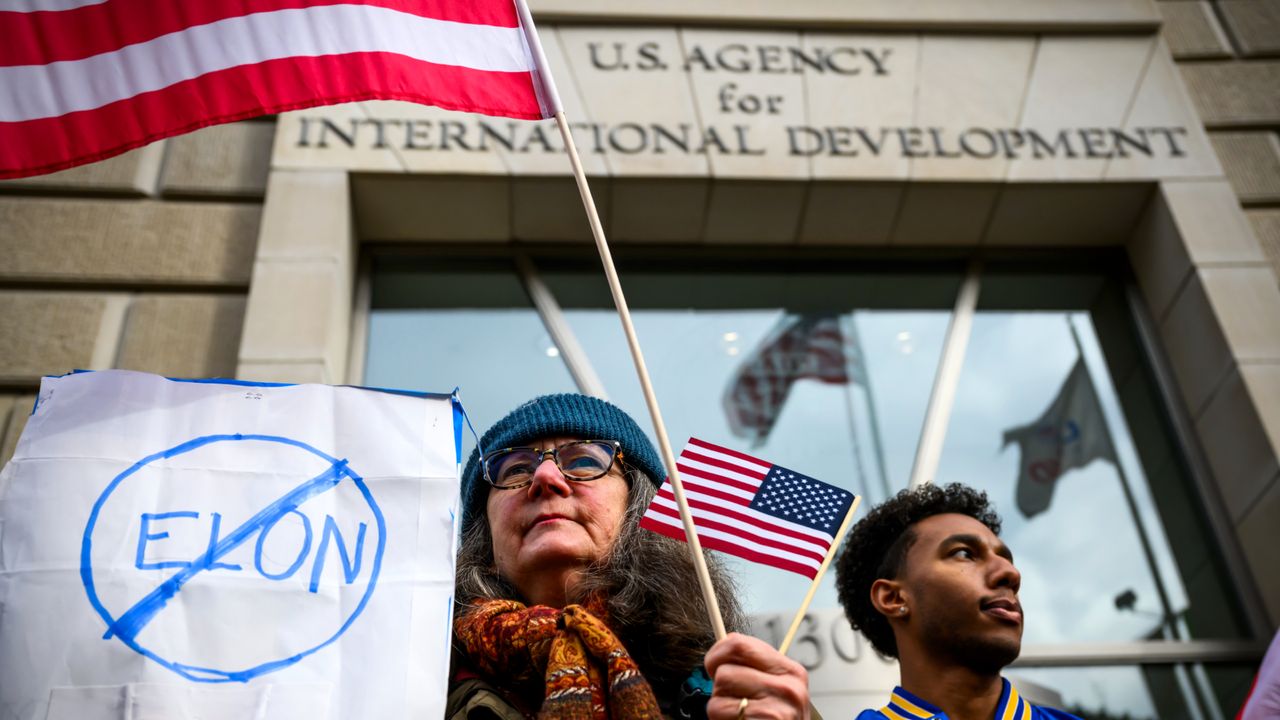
column 961, row 589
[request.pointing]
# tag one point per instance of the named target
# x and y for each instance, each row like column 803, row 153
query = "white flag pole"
column 813, row 586
column 551, row 99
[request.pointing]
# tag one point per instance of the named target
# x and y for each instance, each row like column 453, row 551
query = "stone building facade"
column 238, row 250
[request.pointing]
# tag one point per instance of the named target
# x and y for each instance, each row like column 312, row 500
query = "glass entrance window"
column 1111, row 549
column 702, row 332
column 1116, row 549
column 469, row 325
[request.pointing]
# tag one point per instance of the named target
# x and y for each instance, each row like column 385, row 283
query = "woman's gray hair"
column 653, row 595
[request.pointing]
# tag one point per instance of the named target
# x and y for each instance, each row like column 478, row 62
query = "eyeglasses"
column 579, row 460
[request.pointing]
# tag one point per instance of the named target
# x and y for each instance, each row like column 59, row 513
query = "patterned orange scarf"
column 586, row 672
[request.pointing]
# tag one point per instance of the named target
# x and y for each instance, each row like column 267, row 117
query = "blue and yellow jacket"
column 1012, row 706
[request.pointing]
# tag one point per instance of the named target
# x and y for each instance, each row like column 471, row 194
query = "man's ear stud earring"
column 902, row 609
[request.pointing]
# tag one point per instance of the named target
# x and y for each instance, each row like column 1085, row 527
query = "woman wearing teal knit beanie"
column 567, row 608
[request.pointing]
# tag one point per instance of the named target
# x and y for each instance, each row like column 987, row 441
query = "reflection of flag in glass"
column 806, row 346
column 1071, row 434
column 85, row 80
column 751, row 508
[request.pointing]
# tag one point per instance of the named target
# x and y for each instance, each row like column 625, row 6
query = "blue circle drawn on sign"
column 131, row 622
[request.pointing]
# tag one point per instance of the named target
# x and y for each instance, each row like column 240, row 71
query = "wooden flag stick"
column 549, row 97
column 813, row 586
column 664, row 445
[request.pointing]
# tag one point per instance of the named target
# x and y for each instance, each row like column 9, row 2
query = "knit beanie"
column 565, row 415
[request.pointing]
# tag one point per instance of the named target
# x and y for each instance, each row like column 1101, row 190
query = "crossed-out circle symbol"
column 127, row 625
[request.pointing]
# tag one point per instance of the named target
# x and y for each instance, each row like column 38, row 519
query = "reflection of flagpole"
column 850, row 406
column 858, row 368
column 876, row 445
column 1165, row 604
column 850, row 411
column 1168, row 624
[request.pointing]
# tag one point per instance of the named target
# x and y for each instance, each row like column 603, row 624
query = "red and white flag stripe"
column 719, row 485
column 85, row 82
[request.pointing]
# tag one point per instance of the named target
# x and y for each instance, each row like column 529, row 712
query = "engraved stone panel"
column 395, row 136
column 526, row 156
column 1083, row 86
column 123, row 241
column 361, row 136
column 748, row 89
column 1163, row 117
column 840, row 137
column 968, row 88
column 631, row 80
column 770, row 104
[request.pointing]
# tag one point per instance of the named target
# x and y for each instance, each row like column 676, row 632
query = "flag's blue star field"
column 788, row 495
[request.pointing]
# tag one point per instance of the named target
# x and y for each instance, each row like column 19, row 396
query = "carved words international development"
column 726, row 124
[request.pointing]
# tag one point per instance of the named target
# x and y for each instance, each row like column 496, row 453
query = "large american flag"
column 82, row 80
column 751, row 508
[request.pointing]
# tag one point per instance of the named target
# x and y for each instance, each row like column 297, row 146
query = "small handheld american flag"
column 751, row 508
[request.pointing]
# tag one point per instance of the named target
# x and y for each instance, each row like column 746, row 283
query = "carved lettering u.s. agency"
column 844, row 141
column 742, row 58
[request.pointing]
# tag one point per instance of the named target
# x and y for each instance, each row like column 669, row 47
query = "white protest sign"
column 214, row 549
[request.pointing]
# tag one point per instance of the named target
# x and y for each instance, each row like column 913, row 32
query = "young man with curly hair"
column 927, row 579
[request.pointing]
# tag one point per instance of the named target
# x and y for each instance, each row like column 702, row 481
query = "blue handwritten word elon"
column 350, row 568
column 155, row 528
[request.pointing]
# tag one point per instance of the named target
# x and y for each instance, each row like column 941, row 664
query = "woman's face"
column 546, row 533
